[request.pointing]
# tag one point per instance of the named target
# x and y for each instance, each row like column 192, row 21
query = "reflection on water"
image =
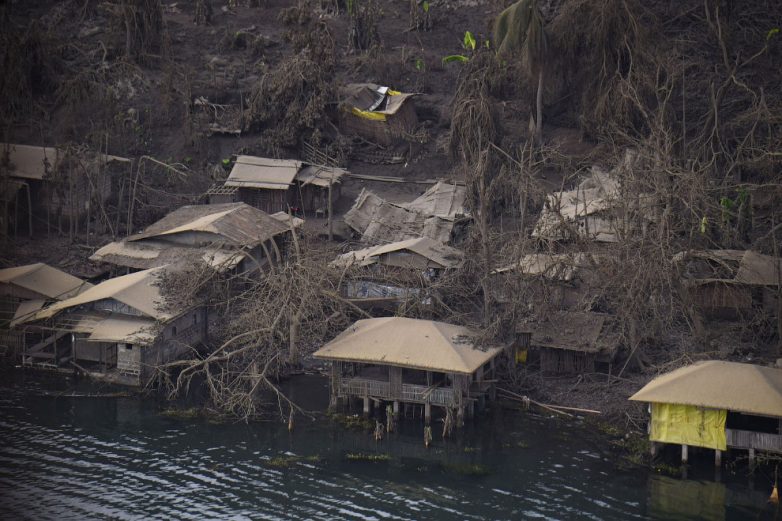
column 87, row 458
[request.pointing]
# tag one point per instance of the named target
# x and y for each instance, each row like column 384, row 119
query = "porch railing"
column 753, row 440
column 444, row 396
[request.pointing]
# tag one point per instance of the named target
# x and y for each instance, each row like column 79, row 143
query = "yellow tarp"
column 374, row 116
column 688, row 425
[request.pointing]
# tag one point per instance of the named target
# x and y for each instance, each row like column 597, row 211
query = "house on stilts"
column 716, row 405
column 117, row 331
column 25, row 290
column 419, row 363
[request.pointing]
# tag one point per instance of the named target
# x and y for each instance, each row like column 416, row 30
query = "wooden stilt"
column 396, row 410
column 366, row 406
column 427, row 414
column 653, row 448
column 684, row 453
column 752, row 459
column 717, row 458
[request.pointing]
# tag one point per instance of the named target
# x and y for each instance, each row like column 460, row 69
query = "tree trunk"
column 539, row 110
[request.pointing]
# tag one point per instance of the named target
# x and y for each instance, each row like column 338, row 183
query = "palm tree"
column 519, row 29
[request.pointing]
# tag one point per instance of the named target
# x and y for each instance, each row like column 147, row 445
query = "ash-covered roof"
column 45, row 280
column 436, row 254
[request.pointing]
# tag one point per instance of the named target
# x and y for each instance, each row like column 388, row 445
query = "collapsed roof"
column 279, row 174
column 431, row 215
column 370, row 97
column 216, row 234
column 730, row 266
column 563, row 267
column 747, row 388
column 411, row 343
column 428, row 254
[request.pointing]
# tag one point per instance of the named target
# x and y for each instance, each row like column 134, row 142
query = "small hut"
column 717, row 405
column 378, row 114
column 24, row 290
column 232, row 236
column 730, row 284
column 394, row 273
column 277, row 185
column 570, row 342
column 117, row 331
column 408, row 361
column 56, row 185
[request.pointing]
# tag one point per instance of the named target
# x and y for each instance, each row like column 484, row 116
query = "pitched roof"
column 153, row 253
column 737, row 266
column 132, row 330
column 44, row 280
column 411, row 343
column 138, row 290
column 440, row 255
column 444, row 200
column 582, row 331
column 234, row 224
column 262, row 172
column 30, row 162
column 747, row 388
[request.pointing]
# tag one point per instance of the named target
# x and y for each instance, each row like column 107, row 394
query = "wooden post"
column 684, row 453
column 427, row 413
column 752, row 459
column 366, row 406
column 460, row 416
column 653, row 448
column 331, row 231
column 471, row 409
column 717, row 458
column 30, row 211
column 396, row 410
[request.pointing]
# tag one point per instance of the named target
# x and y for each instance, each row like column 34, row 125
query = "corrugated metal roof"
column 29, row 162
column 581, row 331
column 747, row 388
column 138, row 290
column 441, row 255
column 125, row 329
column 407, row 342
column 320, row 175
column 152, row 253
column 261, row 172
column 44, row 280
column 234, row 224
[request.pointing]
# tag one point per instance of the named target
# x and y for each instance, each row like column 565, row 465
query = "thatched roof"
column 410, row 343
column 746, row 388
column 44, row 280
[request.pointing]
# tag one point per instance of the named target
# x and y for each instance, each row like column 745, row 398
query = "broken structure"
column 24, row 290
column 716, row 405
column 377, row 113
column 394, row 273
column 409, row 361
column 119, row 330
column 232, row 236
column 277, row 185
column 435, row 214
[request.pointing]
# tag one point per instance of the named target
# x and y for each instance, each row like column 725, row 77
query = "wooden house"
column 413, row 362
column 391, row 274
column 716, row 405
column 24, row 290
column 233, row 236
column 56, row 186
column 569, row 342
column 730, row 284
column 277, row 185
column 119, row 331
column 377, row 113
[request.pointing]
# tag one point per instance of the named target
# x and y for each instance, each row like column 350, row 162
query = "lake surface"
column 120, row 458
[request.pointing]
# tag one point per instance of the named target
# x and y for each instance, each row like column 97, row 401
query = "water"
column 119, row 458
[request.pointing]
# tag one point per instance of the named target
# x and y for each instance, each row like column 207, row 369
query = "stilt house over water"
column 409, row 361
column 24, row 290
column 118, row 330
column 717, row 405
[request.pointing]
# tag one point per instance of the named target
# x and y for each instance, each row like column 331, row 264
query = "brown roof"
column 44, row 280
column 320, row 175
column 140, row 291
column 406, row 342
column 261, row 172
column 747, row 388
column 582, row 331
column 234, row 224
column 562, row 267
column 30, row 162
